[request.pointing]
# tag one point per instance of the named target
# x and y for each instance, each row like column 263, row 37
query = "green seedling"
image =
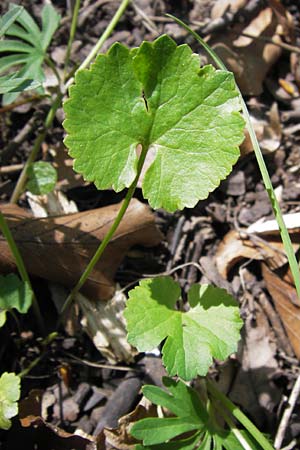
column 28, row 50
column 209, row 329
column 157, row 97
column 190, row 415
column 9, row 396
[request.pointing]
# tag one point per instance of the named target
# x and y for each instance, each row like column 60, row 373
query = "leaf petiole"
column 22, row 269
column 239, row 415
column 108, row 236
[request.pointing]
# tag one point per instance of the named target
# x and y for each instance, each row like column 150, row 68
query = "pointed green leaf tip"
column 159, row 97
column 9, row 395
column 209, row 329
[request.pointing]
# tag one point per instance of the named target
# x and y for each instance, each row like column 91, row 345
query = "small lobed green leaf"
column 156, row 96
column 209, row 329
column 14, row 293
column 42, row 178
column 9, row 396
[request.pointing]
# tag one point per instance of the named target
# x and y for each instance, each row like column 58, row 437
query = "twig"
column 291, row 115
column 287, row 414
column 102, row 39
column 271, row 314
column 148, row 23
column 250, row 10
column 18, row 139
column 175, row 240
column 11, row 106
column 85, row 362
column 11, row 169
column 290, row 446
column 166, row 273
column 89, row 11
column 283, row 45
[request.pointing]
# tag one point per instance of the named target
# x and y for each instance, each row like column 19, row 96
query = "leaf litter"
column 202, row 231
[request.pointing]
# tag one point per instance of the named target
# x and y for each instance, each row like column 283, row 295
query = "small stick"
column 11, row 169
column 290, row 115
column 287, row 414
column 11, row 106
column 148, row 23
column 18, row 139
column 271, row 314
column 175, row 240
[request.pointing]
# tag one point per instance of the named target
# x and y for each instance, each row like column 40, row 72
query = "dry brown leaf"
column 235, row 247
column 285, row 298
column 54, row 203
column 120, row 437
column 221, row 6
column 268, row 133
column 66, row 176
column 105, row 324
column 37, row 432
column 250, row 58
column 59, row 248
column 252, row 387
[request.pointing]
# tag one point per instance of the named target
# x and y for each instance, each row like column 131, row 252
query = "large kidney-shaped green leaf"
column 159, row 97
column 209, row 329
column 9, row 395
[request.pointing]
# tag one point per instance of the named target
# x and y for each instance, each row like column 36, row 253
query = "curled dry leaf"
column 59, row 248
column 35, row 431
column 286, row 302
column 292, row 222
column 52, row 204
column 221, row 6
column 105, row 324
column 120, row 438
column 262, row 242
column 237, row 246
column 251, row 53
